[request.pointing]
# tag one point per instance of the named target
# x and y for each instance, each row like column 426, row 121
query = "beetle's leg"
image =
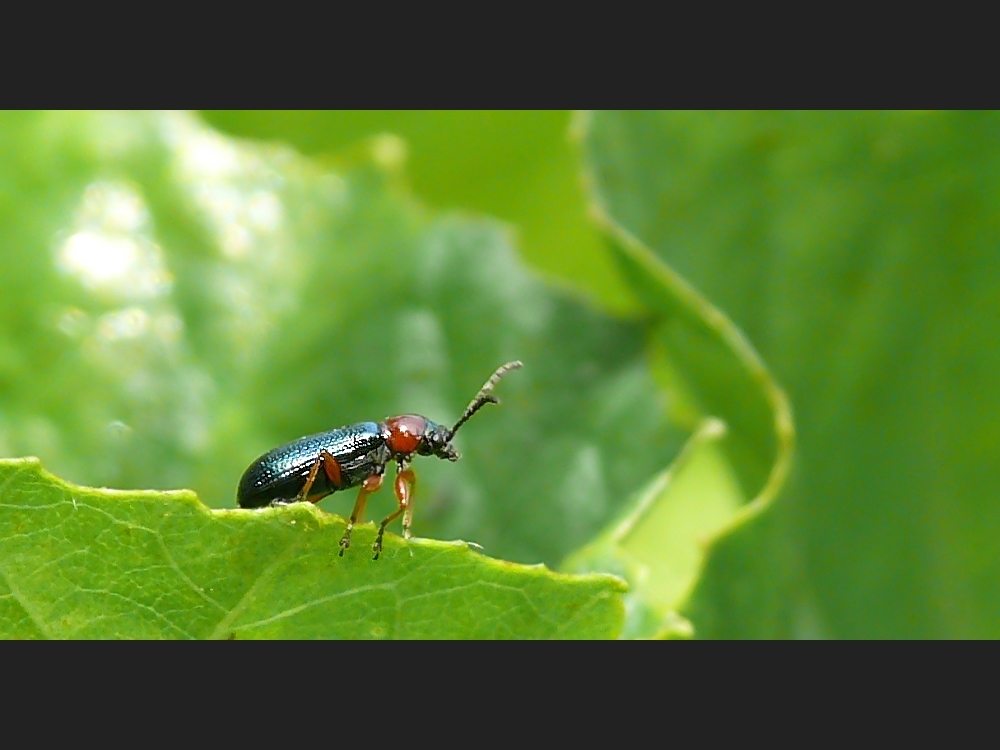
column 370, row 485
column 330, row 467
column 405, row 483
column 406, row 486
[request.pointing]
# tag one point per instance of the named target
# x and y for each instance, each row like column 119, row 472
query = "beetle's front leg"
column 370, row 485
column 404, row 485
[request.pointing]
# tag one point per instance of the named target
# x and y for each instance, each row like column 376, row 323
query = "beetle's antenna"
column 484, row 397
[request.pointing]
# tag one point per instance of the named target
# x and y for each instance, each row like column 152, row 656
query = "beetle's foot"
column 377, row 547
column 345, row 542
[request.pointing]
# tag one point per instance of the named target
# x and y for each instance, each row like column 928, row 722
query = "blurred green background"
column 180, row 292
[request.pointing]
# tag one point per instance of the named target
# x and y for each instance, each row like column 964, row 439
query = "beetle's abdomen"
column 280, row 473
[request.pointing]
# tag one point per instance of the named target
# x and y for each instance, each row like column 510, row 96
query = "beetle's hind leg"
column 332, row 470
column 330, row 467
column 370, row 485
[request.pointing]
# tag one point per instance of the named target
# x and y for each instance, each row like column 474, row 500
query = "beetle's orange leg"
column 370, row 485
column 332, row 470
column 405, row 484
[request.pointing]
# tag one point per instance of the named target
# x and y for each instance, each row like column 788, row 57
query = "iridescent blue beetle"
column 312, row 467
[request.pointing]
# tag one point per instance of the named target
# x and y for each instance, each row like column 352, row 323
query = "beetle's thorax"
column 404, row 433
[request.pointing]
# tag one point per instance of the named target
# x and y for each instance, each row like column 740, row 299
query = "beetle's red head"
column 411, row 433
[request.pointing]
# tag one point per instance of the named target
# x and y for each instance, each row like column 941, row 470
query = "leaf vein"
column 292, row 611
column 224, row 624
column 28, row 607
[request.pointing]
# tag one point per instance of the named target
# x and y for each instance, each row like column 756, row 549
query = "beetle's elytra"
column 312, row 467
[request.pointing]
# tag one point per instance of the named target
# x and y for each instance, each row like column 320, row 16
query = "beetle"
column 314, row 466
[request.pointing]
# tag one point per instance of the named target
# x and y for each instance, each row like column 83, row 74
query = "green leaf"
column 858, row 253
column 77, row 562
column 733, row 467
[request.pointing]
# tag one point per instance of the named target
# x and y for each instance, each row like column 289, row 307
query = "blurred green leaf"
column 728, row 474
column 859, row 254
column 83, row 563
column 660, row 543
column 176, row 302
column 513, row 164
